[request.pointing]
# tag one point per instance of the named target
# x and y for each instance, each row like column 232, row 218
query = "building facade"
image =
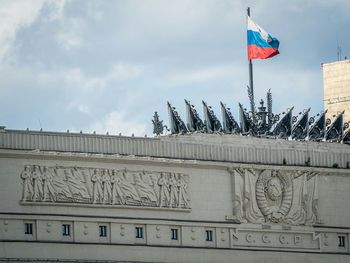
column 181, row 198
column 336, row 87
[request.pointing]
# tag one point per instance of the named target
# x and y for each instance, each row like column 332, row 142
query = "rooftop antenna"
column 41, row 127
column 338, row 50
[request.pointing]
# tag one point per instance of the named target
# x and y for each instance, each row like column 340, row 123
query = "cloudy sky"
column 108, row 65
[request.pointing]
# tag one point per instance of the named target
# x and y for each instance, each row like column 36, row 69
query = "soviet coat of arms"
column 271, row 196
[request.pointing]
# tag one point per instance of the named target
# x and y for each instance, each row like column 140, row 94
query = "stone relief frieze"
column 273, row 196
column 81, row 185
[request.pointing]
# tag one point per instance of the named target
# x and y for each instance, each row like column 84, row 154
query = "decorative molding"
column 243, row 237
column 204, row 147
column 338, row 99
column 104, row 187
column 275, row 196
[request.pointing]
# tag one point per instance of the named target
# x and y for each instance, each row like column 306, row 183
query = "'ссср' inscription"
column 275, row 196
column 270, row 239
column 80, row 185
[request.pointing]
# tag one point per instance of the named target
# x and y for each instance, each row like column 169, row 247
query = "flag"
column 260, row 44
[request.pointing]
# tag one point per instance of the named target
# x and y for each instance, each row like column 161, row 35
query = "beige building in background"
column 336, row 85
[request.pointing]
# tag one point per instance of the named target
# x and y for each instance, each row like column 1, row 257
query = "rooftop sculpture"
column 258, row 123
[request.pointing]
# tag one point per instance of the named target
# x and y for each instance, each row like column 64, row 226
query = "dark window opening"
column 28, row 228
column 139, row 232
column 174, row 234
column 341, row 241
column 66, row 230
column 209, row 235
column 103, row 231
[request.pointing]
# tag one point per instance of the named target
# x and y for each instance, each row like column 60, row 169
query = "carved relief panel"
column 79, row 185
column 272, row 196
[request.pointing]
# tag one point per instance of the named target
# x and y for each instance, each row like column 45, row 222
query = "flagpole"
column 251, row 85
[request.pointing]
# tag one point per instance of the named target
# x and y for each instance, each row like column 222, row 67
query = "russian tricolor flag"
column 260, row 44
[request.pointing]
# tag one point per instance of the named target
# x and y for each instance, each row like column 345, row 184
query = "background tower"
column 336, row 88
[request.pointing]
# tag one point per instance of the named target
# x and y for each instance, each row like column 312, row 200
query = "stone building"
column 336, row 83
column 181, row 198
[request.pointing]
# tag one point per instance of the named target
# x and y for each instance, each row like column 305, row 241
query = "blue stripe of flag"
column 254, row 38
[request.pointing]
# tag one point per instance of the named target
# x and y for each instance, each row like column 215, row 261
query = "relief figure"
column 27, row 186
column 183, row 196
column 116, row 181
column 174, row 193
column 37, row 184
column 97, row 187
column 48, row 187
column 163, row 190
column 107, row 187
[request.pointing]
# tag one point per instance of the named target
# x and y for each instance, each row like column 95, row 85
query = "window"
column 209, row 235
column 341, row 241
column 66, row 230
column 139, row 232
column 103, row 231
column 174, row 234
column 28, row 228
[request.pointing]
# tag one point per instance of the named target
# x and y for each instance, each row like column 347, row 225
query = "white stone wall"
column 214, row 192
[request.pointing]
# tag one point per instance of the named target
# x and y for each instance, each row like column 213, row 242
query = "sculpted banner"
column 272, row 196
column 80, row 185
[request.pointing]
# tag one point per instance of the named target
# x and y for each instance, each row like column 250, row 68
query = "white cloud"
column 71, row 33
column 16, row 14
column 117, row 122
column 94, row 10
column 56, row 8
column 78, row 79
column 76, row 105
column 120, row 71
column 83, row 109
column 182, row 17
column 206, row 74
